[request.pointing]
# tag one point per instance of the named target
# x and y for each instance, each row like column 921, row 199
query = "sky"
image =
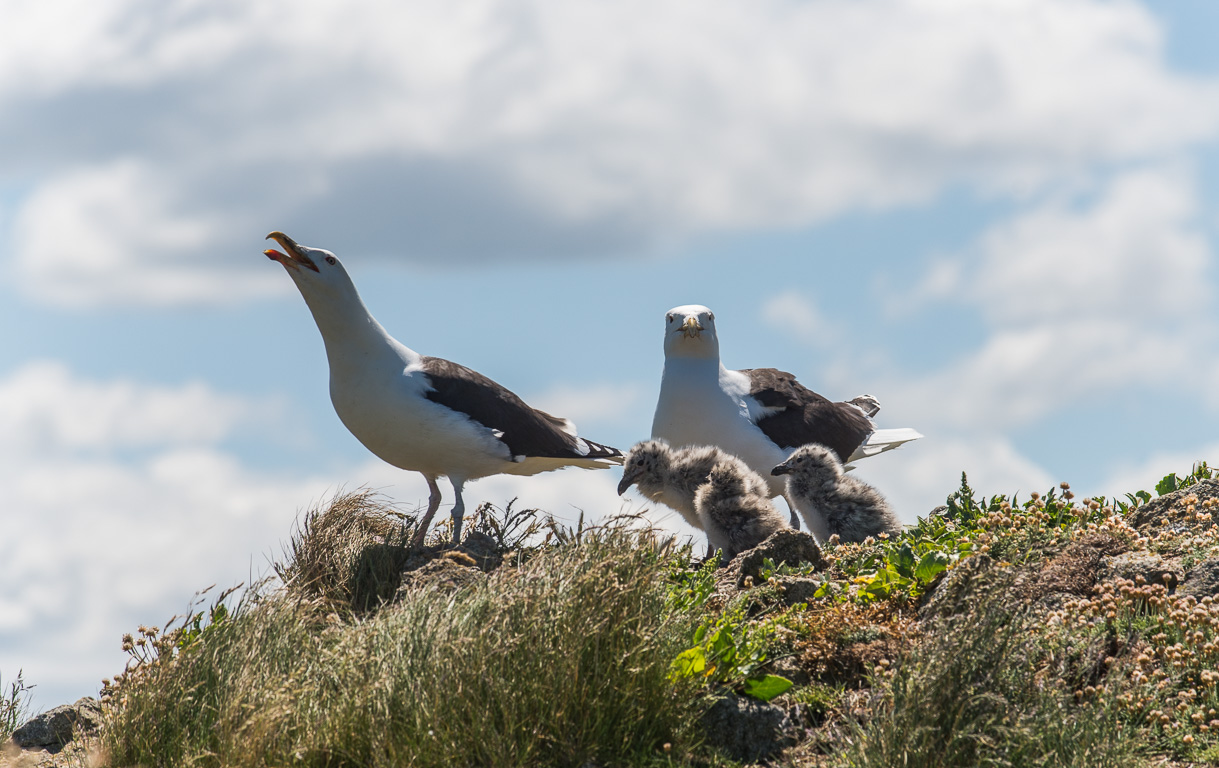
column 999, row 217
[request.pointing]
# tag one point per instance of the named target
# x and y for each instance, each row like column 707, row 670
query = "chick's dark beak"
column 628, row 479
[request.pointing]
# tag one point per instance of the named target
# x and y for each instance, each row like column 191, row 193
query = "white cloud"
column 1081, row 300
column 44, row 408
column 796, row 315
column 573, row 128
column 1131, row 476
column 1137, row 253
column 917, row 477
column 592, row 406
column 113, row 232
column 91, row 544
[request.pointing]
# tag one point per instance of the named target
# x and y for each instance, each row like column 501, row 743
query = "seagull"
column 420, row 413
column 833, row 503
column 759, row 415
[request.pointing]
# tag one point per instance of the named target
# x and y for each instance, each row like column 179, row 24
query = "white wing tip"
column 883, row 440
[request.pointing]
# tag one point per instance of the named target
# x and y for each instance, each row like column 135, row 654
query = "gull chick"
column 734, row 508
column 668, row 476
column 833, row 502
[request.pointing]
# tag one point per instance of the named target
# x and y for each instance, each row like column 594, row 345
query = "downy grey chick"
column 832, row 502
column 734, row 508
column 669, row 476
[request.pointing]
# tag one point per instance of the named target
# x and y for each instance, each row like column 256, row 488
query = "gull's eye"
column 668, row 318
column 710, row 315
column 331, row 260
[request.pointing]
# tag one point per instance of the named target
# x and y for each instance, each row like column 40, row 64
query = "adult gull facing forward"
column 424, row 413
column 759, row 415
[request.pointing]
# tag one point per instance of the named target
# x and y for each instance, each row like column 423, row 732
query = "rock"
column 950, row 594
column 797, row 589
column 747, row 729
column 483, row 549
column 1153, row 568
column 1202, row 580
column 941, row 511
column 789, row 667
column 442, row 572
column 1172, row 509
column 794, row 548
column 53, row 729
column 1074, row 569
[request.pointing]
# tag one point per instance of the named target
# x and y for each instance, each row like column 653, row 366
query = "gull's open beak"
column 292, row 257
column 782, row 469
column 691, row 327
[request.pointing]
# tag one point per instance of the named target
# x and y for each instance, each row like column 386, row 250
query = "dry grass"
column 978, row 691
column 13, row 706
column 559, row 660
column 348, row 552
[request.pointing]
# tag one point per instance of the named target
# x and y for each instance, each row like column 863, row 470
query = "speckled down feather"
column 734, row 508
column 669, row 476
column 675, row 478
column 830, row 500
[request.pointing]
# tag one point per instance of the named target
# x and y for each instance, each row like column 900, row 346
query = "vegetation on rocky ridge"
column 994, row 632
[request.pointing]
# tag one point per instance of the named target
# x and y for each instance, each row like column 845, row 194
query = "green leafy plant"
column 730, row 650
column 689, row 588
column 195, row 629
column 1172, row 482
column 770, row 570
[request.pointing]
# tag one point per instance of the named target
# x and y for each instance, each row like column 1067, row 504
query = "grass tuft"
column 348, row 552
column 980, row 690
column 561, row 660
column 14, row 706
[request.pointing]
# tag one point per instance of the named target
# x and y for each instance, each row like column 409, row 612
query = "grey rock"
column 746, row 729
column 789, row 667
column 1130, row 565
column 951, row 594
column 794, row 548
column 798, row 589
column 1202, row 580
column 1169, row 510
column 483, row 549
column 53, row 729
column 441, row 573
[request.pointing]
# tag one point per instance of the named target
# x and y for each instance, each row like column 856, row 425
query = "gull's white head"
column 317, row 273
column 690, row 332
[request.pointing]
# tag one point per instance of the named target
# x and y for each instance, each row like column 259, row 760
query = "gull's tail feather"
column 884, row 440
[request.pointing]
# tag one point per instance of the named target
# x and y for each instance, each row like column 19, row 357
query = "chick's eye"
column 668, row 318
column 331, row 260
column 710, row 315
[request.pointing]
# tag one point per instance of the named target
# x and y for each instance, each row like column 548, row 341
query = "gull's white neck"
column 351, row 334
